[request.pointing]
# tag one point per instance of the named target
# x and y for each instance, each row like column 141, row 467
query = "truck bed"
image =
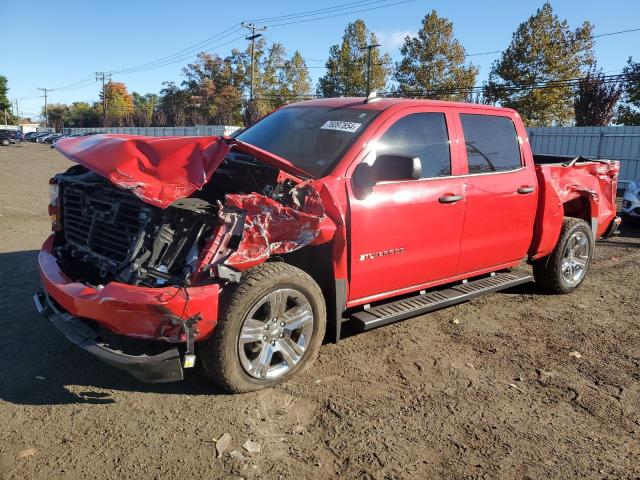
column 577, row 187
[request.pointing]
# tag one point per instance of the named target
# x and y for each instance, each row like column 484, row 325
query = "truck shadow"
column 38, row 365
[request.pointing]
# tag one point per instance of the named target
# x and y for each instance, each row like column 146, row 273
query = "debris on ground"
column 251, row 446
column 221, row 445
column 237, row 454
column 575, row 354
column 455, row 321
column 515, row 387
column 26, row 453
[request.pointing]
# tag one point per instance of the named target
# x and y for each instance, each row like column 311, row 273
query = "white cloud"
column 391, row 40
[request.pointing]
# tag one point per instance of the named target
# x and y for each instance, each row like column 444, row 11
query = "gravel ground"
column 497, row 393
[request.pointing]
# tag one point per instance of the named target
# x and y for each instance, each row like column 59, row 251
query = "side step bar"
column 409, row 307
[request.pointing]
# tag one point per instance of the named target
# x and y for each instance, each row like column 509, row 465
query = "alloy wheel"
column 275, row 334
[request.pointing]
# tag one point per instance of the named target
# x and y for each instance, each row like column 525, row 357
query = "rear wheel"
column 566, row 267
column 5, row 142
column 272, row 326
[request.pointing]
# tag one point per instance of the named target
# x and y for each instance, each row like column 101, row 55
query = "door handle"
column 525, row 190
column 450, row 199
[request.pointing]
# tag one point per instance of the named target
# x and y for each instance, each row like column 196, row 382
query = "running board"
column 409, row 307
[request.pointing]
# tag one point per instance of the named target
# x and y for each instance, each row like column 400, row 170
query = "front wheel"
column 565, row 268
column 272, row 326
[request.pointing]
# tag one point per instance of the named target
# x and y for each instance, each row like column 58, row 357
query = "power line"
column 182, row 54
column 319, row 11
column 592, row 36
column 339, row 14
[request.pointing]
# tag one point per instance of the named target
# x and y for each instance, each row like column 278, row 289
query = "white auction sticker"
column 340, row 125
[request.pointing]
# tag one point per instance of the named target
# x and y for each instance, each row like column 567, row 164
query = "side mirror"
column 386, row 168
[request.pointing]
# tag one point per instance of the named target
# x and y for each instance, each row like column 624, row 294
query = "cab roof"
column 384, row 103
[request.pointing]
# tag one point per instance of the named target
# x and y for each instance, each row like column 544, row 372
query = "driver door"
column 405, row 234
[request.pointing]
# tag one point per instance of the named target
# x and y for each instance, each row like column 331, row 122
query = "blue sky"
column 55, row 44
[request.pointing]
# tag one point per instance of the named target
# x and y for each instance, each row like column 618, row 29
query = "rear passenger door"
column 500, row 193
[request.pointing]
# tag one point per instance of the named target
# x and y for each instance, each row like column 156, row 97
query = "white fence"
column 615, row 143
column 197, row 131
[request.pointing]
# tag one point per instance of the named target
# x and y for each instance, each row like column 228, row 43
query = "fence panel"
column 200, row 130
column 615, row 143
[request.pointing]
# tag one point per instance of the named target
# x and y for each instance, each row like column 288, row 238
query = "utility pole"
column 368, row 48
column 17, row 111
column 253, row 28
column 103, row 76
column 46, row 110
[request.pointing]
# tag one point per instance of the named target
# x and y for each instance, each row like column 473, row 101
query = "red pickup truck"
column 248, row 251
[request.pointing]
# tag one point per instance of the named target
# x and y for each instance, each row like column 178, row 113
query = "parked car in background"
column 631, row 201
column 10, row 136
column 5, row 138
column 52, row 138
column 29, row 136
column 42, row 138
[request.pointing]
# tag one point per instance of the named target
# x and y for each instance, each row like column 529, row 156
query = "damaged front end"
column 148, row 232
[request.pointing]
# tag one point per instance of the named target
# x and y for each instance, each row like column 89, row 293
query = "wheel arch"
column 317, row 262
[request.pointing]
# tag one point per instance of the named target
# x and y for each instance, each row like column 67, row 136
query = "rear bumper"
column 612, row 229
column 164, row 367
column 139, row 312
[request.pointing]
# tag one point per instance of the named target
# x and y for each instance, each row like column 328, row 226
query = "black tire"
column 5, row 142
column 548, row 271
column 220, row 353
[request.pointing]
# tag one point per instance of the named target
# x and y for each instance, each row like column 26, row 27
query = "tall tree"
column 347, row 64
column 595, row 100
column 629, row 111
column 81, row 114
column 5, row 104
column 434, row 62
column 119, row 104
column 543, row 49
column 173, row 106
column 56, row 115
column 143, row 108
column 294, row 81
column 214, row 95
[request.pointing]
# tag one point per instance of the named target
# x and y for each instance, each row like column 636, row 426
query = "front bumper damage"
column 168, row 315
column 164, row 367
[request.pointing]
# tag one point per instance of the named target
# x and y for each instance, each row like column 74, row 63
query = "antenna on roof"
column 372, row 97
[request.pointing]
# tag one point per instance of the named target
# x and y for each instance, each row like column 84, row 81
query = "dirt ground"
column 487, row 389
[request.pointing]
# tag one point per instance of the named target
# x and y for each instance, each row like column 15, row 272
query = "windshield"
column 311, row 138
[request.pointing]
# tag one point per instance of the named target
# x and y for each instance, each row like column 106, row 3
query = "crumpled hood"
column 160, row 170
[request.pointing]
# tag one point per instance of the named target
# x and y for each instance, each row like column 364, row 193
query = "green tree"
column 143, row 108
column 294, row 81
column 5, row 104
column 434, row 62
column 595, row 100
column 629, row 111
column 56, row 115
column 347, row 64
column 173, row 105
column 543, row 49
column 81, row 114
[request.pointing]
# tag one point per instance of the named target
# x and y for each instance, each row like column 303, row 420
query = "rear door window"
column 422, row 135
column 492, row 143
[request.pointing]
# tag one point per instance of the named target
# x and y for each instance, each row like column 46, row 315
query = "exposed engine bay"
column 245, row 212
